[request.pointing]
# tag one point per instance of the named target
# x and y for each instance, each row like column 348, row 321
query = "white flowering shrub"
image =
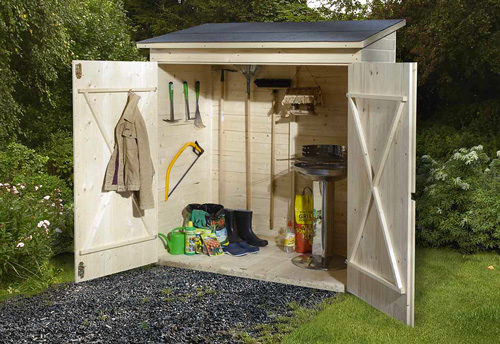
column 36, row 219
column 459, row 205
column 30, row 220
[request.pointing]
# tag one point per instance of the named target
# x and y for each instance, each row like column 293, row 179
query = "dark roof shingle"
column 328, row 31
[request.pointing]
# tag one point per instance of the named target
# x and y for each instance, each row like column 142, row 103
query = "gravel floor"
column 155, row 305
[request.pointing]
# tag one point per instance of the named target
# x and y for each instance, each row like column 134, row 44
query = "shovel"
column 198, row 122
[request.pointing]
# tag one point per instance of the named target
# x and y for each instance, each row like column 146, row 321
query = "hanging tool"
column 274, row 85
column 186, row 91
column 171, row 96
column 198, row 122
column 196, row 150
column 221, row 129
column 248, row 71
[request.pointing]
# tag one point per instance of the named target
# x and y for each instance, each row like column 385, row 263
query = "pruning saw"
column 197, row 150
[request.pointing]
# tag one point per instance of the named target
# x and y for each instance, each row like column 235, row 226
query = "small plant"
column 459, row 205
column 144, row 325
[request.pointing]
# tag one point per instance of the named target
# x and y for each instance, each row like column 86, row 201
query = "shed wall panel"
column 195, row 187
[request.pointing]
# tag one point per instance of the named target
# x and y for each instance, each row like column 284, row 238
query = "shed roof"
column 284, row 32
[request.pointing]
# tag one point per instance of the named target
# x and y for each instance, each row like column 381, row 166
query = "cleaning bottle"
column 289, row 238
column 190, row 243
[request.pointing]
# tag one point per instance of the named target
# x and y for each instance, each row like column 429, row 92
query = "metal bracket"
column 78, row 70
column 81, row 270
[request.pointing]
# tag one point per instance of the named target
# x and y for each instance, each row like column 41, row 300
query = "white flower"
column 46, row 197
column 53, row 204
column 36, row 188
column 58, row 230
column 21, row 244
column 60, row 213
column 40, row 224
column 22, row 187
column 30, row 237
column 46, row 222
column 1, row 185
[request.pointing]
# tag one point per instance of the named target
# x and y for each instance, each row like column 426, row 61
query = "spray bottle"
column 289, row 238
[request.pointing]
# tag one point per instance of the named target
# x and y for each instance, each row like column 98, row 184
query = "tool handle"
column 197, row 88
column 197, row 149
column 185, row 90
column 171, row 90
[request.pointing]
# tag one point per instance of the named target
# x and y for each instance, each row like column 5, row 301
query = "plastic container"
column 190, row 240
column 289, row 243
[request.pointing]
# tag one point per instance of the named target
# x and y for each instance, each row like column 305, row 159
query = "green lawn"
column 457, row 300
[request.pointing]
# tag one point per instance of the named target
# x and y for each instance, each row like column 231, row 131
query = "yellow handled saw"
column 196, row 150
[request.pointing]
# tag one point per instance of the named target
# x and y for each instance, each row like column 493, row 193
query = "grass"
column 62, row 263
column 457, row 300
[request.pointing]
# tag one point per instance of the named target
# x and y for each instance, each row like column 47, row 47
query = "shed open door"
column 112, row 234
column 381, row 178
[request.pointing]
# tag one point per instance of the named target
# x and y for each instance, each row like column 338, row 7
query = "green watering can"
column 175, row 240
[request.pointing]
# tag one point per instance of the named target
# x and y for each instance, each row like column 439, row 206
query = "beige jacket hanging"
column 130, row 167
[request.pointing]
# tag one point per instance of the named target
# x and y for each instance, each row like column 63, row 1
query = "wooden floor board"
column 270, row 264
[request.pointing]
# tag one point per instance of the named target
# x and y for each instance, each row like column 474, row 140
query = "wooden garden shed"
column 368, row 104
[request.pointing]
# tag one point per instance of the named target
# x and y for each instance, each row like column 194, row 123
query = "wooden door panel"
column 111, row 233
column 381, row 171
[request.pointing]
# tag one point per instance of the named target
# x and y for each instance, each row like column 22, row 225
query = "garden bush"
column 459, row 202
column 31, row 218
column 59, row 150
column 36, row 215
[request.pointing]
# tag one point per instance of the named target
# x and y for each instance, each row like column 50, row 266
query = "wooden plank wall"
column 329, row 127
column 383, row 50
column 233, row 149
column 195, row 188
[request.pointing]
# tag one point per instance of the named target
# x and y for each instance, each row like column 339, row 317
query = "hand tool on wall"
column 196, row 150
column 186, row 91
column 198, row 122
column 248, row 71
column 274, row 85
column 221, row 130
column 171, row 97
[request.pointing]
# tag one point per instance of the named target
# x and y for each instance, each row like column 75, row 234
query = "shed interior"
column 219, row 176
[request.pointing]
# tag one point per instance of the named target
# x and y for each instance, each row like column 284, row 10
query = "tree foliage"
column 38, row 41
column 456, row 45
column 158, row 17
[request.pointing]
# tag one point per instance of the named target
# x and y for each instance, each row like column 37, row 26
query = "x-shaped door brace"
column 107, row 198
column 374, row 181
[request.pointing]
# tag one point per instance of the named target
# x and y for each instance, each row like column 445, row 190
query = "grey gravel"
column 151, row 305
